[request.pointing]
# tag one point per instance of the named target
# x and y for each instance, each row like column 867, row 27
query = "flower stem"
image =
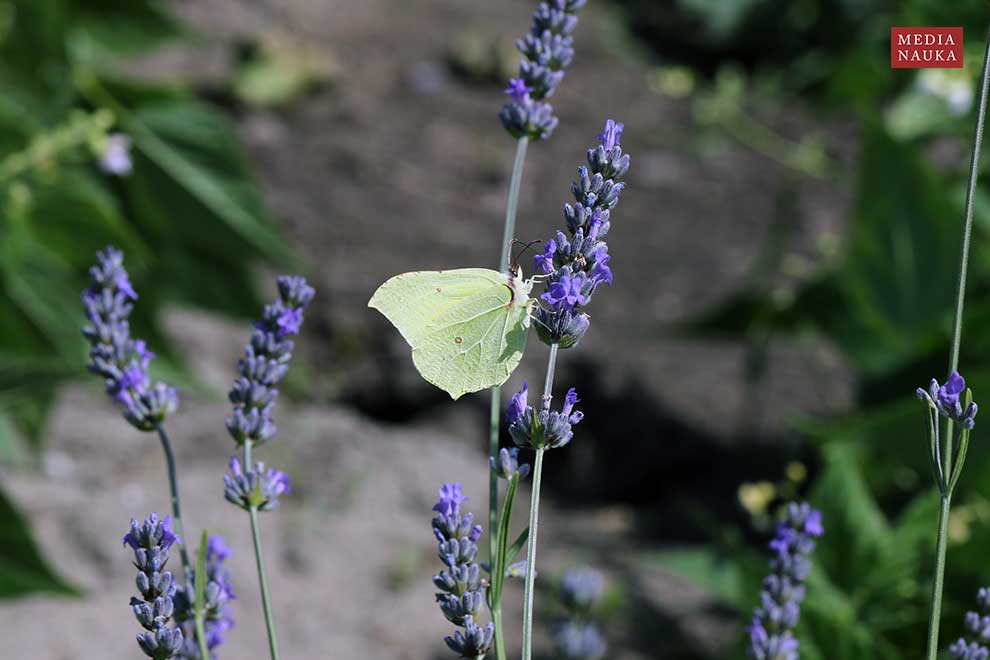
column 534, row 519
column 511, row 206
column 974, row 170
column 500, row 650
column 935, row 610
column 266, row 600
column 173, row 485
column 259, row 559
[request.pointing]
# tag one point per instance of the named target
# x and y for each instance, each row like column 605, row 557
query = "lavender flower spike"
column 265, row 362
column 114, row 355
column 150, row 542
column 770, row 636
column 577, row 262
column 547, row 51
column 462, row 591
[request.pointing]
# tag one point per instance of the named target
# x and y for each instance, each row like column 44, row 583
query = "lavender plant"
column 151, row 541
column 575, row 263
column 251, row 486
column 771, row 631
column 978, row 626
column 547, row 50
column 948, row 447
column 462, row 589
column 577, row 636
column 123, row 363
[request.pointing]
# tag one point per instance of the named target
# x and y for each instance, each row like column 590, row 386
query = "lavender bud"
column 474, row 642
column 150, row 541
column 462, row 591
column 507, row 464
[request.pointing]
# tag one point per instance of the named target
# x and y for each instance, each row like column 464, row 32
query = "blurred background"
column 785, row 257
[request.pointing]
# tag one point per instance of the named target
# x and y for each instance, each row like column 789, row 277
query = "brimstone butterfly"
column 467, row 327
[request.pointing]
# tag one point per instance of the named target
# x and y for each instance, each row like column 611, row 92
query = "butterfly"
column 467, row 327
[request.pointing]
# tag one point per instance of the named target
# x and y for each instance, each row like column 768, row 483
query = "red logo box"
column 926, row 47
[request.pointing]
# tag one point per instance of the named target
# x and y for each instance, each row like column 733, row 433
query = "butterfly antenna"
column 515, row 260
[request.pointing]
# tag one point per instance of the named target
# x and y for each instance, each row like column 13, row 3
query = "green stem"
column 500, row 650
column 508, row 232
column 266, row 600
column 173, row 485
column 259, row 559
column 204, row 649
column 534, row 519
column 935, row 610
column 974, row 171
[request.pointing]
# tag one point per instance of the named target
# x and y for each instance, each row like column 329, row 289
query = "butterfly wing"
column 464, row 332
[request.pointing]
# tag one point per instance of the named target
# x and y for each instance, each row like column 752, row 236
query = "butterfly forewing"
column 464, row 333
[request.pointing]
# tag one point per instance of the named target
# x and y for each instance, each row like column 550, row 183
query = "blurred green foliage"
column 189, row 216
column 883, row 295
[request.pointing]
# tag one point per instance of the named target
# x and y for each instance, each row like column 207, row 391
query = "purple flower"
column 547, row 50
column 153, row 532
column 579, row 261
column 289, row 321
column 945, row 399
column 255, row 488
column 150, row 541
column 116, row 157
column 612, row 134
column 571, row 398
column 518, row 90
column 119, row 359
column 461, row 594
column 517, row 404
column 949, row 393
column 783, row 589
column 543, row 263
column 601, row 272
column 564, row 293
column 451, row 499
column 977, row 626
column 265, row 362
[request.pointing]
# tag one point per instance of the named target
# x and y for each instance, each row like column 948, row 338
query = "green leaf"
column 22, row 568
column 195, row 147
column 516, row 546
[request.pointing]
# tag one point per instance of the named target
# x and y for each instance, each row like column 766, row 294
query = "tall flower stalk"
column 944, row 401
column 575, row 263
column 251, row 486
column 547, row 50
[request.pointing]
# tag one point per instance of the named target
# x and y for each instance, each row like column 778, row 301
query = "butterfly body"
column 467, row 327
